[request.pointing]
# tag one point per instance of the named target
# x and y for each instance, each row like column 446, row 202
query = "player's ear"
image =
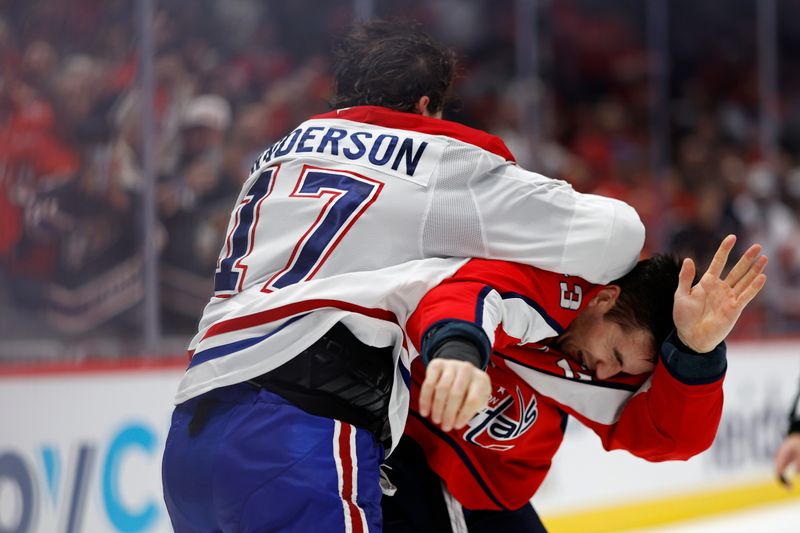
column 605, row 298
column 421, row 107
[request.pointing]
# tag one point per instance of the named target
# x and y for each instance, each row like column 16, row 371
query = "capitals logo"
column 507, row 417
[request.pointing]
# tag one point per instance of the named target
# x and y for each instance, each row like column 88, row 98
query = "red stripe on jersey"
column 388, row 118
column 271, row 315
column 346, row 452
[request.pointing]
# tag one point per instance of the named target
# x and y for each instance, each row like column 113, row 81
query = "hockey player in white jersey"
column 298, row 383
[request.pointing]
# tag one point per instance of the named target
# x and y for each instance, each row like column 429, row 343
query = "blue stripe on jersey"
column 406, row 375
column 479, row 305
column 603, row 384
column 539, row 309
column 226, row 349
column 564, row 419
column 454, row 445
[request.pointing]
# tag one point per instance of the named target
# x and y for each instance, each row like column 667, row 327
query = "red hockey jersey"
column 501, row 458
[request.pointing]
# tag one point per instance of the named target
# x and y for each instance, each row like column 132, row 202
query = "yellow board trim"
column 651, row 513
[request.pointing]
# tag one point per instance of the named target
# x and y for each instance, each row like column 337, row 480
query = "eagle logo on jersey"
column 507, row 417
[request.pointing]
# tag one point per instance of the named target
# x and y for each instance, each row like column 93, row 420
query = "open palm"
column 706, row 313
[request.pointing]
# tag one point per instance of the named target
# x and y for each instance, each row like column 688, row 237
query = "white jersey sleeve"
column 509, row 213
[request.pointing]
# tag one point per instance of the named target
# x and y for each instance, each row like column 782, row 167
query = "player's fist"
column 453, row 392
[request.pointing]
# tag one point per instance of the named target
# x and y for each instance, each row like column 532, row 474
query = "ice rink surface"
column 781, row 517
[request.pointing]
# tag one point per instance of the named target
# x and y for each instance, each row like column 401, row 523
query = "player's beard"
column 567, row 346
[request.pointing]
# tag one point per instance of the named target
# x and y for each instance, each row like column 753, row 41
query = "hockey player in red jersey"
column 639, row 361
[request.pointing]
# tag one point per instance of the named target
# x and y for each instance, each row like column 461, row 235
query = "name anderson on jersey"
column 379, row 149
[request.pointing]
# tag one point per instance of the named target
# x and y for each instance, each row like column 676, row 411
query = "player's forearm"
column 545, row 223
column 677, row 432
column 605, row 239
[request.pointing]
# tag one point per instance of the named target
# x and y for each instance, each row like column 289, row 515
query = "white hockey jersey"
column 344, row 219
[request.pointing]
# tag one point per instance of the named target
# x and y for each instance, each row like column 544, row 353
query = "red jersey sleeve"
column 511, row 303
column 666, row 419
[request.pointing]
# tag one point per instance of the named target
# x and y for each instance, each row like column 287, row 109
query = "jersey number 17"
column 349, row 195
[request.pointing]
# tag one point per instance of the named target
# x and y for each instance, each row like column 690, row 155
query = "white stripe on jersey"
column 523, row 321
column 519, row 318
column 604, row 405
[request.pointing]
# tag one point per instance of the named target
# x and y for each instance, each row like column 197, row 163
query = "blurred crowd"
column 233, row 76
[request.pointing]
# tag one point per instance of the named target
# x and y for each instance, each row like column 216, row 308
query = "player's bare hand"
column 787, row 458
column 706, row 313
column 453, row 392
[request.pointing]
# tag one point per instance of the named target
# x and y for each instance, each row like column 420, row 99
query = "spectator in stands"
column 64, row 87
column 193, row 205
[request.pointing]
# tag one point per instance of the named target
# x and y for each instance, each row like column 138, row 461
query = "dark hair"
column 646, row 296
column 391, row 64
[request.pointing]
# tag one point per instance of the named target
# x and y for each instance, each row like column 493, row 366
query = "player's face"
column 603, row 347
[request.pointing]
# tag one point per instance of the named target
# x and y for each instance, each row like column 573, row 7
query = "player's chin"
column 572, row 356
column 579, row 357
